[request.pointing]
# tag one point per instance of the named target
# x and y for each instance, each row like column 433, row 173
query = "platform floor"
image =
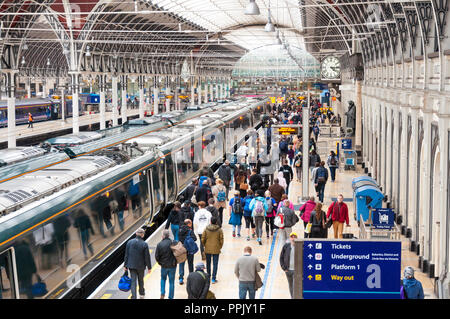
column 22, row 131
column 275, row 283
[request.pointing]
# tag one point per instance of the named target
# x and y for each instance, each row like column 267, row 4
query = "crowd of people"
column 247, row 194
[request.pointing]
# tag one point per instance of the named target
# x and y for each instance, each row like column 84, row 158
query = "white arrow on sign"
column 310, row 246
column 310, row 256
column 310, row 266
column 309, row 277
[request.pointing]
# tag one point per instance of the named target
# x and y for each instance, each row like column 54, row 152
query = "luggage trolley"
column 349, row 160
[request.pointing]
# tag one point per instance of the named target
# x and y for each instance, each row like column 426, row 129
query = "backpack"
column 237, row 206
column 221, row 196
column 298, row 162
column 248, row 200
column 316, row 130
column 179, row 251
column 269, row 206
column 258, row 210
column 190, row 244
column 333, row 160
column 321, row 174
column 201, row 180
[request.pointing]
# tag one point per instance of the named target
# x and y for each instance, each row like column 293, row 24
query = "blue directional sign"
column 351, row 269
column 383, row 218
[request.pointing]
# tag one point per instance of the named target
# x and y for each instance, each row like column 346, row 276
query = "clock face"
column 331, row 68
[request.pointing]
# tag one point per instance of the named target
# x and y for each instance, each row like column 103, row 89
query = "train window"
column 8, row 275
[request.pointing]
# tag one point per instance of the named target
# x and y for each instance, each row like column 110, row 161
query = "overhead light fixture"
column 23, row 60
column 269, row 26
column 24, row 46
column 252, row 8
column 88, row 52
column 48, row 61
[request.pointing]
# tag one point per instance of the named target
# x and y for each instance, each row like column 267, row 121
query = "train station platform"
column 46, row 129
column 274, row 280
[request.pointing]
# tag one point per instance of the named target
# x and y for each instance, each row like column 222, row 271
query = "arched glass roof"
column 277, row 61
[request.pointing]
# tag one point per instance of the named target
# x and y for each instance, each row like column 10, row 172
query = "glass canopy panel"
column 225, row 15
column 275, row 61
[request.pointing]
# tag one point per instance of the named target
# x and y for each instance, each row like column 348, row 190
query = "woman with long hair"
column 318, row 220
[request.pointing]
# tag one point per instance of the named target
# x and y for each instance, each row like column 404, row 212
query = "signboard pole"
column 298, row 270
column 305, row 139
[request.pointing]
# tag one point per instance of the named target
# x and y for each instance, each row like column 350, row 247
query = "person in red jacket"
column 339, row 215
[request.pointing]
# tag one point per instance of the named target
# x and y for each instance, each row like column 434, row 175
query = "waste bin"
column 364, row 198
column 363, row 180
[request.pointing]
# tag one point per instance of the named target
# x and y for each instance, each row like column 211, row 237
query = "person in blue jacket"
column 248, row 214
column 412, row 288
column 259, row 212
column 236, row 211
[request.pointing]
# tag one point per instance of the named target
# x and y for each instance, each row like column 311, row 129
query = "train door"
column 158, row 186
column 149, row 178
column 9, row 286
column 171, row 180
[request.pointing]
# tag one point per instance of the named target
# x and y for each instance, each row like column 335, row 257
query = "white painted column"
column 167, row 94
column 229, row 87
column 358, row 103
column 389, row 150
column 217, row 91
column 156, row 95
column 123, row 108
column 102, row 106
column 63, row 104
column 403, row 168
column 192, row 91
column 413, row 193
column 211, row 96
column 75, row 105
column 199, row 91
column 425, row 182
column 114, row 101
column 305, row 151
column 29, row 88
column 11, row 120
column 206, row 91
column 141, row 101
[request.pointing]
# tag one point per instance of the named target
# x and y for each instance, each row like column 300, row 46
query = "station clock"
column 330, row 68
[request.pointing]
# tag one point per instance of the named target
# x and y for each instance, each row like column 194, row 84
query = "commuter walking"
column 291, row 154
column 313, row 159
column 259, row 208
column 333, row 164
column 185, row 232
column 212, row 208
column 197, row 285
column 411, row 287
column 276, row 190
column 320, row 179
column 165, row 258
column 249, row 223
column 305, row 212
column 30, row 120
column 83, row 223
column 190, row 190
column 202, row 219
column 287, row 261
column 316, row 132
column 203, row 193
column 212, row 240
column 318, row 220
column 137, row 258
column 219, row 191
column 288, row 174
column 289, row 220
column 271, row 213
column 246, row 269
column 338, row 212
column 225, row 174
column 236, row 212
column 187, row 211
column 174, row 220
column 255, row 181
column 298, row 163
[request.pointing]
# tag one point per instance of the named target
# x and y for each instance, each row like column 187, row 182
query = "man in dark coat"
column 198, row 282
column 225, row 175
column 189, row 191
column 276, row 190
column 165, row 258
column 137, row 258
column 287, row 261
